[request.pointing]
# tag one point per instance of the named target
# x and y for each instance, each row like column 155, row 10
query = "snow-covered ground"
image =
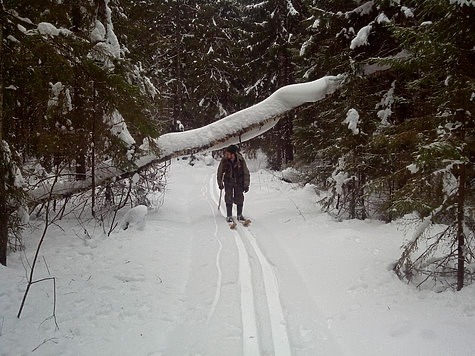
column 295, row 282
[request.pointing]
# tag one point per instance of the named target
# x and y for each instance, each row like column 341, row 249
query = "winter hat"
column 232, row 149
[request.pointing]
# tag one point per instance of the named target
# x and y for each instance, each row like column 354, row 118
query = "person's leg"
column 229, row 210
column 239, row 199
column 228, row 198
column 239, row 210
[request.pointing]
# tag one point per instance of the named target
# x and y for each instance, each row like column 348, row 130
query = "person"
column 233, row 176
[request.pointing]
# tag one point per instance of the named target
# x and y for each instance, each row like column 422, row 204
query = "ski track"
column 250, row 335
column 205, row 192
column 278, row 325
column 248, row 309
column 280, row 336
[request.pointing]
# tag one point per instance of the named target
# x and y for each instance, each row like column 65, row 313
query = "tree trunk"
column 288, row 147
column 177, row 98
column 93, row 150
column 460, row 232
column 3, row 203
column 78, row 107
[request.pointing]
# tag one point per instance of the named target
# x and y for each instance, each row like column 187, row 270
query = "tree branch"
column 240, row 126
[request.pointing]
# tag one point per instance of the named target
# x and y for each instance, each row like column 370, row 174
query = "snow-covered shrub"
column 134, row 217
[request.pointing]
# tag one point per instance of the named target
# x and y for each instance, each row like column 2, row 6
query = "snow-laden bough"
column 238, row 127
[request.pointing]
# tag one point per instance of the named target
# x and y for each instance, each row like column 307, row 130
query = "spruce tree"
column 71, row 96
column 441, row 44
column 272, row 36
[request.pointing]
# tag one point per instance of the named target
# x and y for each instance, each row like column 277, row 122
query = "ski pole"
column 220, row 197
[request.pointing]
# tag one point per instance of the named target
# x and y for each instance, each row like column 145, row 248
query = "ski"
column 232, row 225
column 246, row 222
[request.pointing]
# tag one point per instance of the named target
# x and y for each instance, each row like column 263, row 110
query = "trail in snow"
column 248, row 309
column 217, row 295
column 280, row 336
column 185, row 284
column 278, row 324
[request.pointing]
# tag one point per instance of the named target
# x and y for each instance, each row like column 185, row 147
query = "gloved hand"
column 221, row 186
column 246, row 189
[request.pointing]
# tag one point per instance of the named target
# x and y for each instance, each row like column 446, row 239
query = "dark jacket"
column 233, row 173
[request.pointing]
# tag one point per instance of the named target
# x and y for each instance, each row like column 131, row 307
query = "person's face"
column 230, row 156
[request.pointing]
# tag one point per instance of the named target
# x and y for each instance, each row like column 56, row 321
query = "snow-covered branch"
column 238, row 127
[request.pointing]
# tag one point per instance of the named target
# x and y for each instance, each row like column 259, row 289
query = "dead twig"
column 33, row 265
column 52, row 339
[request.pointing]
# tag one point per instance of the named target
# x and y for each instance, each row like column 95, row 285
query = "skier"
column 233, row 177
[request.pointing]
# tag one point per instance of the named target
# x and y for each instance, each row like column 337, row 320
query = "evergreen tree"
column 441, row 44
column 190, row 56
column 71, row 96
column 336, row 137
column 272, row 36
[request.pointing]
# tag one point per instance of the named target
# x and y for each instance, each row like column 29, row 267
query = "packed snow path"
column 252, row 298
column 296, row 282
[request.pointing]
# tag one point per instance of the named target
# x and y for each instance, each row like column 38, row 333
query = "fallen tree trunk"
column 238, row 127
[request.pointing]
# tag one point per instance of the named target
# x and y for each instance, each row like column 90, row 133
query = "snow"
column 56, row 90
column 413, row 168
column 407, row 12
column 180, row 125
column 352, row 120
column 463, row 2
column 134, row 217
column 98, row 34
column 296, row 281
column 118, row 127
column 235, row 128
column 305, row 45
column 12, row 39
column 48, row 29
column 151, row 89
column 361, row 38
column 111, row 38
column 363, row 9
column 339, row 176
column 10, row 164
column 291, row 9
column 226, row 131
column 382, row 18
column 449, row 183
column 386, row 103
column 22, row 28
column 105, row 39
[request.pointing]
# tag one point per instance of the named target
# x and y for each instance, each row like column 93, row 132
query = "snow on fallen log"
column 238, row 127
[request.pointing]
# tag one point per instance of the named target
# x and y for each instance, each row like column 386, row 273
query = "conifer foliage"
column 398, row 139
column 71, row 98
